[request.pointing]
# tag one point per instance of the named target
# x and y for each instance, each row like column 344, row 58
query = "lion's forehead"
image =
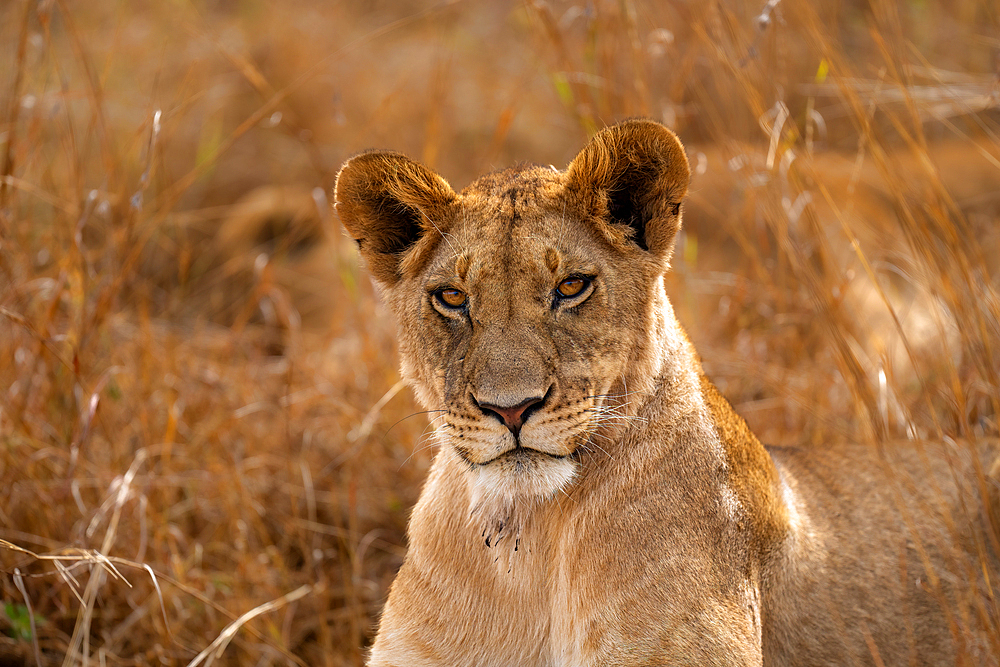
column 530, row 182
column 534, row 242
column 509, row 201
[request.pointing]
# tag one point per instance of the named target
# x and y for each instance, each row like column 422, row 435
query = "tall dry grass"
column 205, row 454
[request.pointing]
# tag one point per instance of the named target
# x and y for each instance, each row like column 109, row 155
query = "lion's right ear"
column 635, row 175
column 394, row 208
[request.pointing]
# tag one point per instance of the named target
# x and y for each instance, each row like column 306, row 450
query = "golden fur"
column 595, row 500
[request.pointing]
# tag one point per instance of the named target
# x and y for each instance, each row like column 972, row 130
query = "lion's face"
column 530, row 304
column 510, row 329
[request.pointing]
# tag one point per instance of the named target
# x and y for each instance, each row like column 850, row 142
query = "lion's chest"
column 593, row 579
column 598, row 586
column 624, row 574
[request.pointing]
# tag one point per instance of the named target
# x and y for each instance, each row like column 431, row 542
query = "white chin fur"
column 503, row 493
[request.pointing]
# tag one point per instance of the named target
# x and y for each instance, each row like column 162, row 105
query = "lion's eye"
column 572, row 286
column 451, row 298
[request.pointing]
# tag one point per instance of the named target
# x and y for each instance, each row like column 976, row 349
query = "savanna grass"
column 205, row 453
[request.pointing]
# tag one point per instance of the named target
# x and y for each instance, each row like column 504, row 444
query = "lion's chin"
column 504, row 492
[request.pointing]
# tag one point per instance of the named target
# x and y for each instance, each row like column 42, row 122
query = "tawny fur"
column 633, row 519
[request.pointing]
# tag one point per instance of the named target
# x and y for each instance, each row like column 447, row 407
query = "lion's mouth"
column 515, row 453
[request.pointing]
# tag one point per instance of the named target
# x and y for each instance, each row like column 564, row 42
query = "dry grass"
column 191, row 466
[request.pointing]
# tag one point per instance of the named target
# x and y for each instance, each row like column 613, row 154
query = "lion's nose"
column 514, row 416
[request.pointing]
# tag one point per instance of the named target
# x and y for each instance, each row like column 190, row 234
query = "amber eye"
column 451, row 298
column 572, row 286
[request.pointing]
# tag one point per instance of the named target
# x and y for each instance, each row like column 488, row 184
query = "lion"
column 594, row 499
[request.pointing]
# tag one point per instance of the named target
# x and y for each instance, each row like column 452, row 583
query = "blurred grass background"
column 203, row 442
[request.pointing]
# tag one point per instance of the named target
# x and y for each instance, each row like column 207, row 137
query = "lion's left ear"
column 395, row 208
column 635, row 176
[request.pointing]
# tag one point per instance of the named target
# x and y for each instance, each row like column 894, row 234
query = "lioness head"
column 530, row 305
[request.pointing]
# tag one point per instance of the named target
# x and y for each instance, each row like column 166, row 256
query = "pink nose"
column 512, row 417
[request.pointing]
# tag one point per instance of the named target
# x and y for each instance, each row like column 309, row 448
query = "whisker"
column 607, row 408
column 413, row 414
column 614, row 396
column 607, row 415
column 602, row 436
column 618, row 419
column 591, row 442
column 425, row 442
column 563, row 491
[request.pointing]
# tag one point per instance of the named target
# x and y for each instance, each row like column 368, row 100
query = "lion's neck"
column 664, row 377
column 675, row 410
